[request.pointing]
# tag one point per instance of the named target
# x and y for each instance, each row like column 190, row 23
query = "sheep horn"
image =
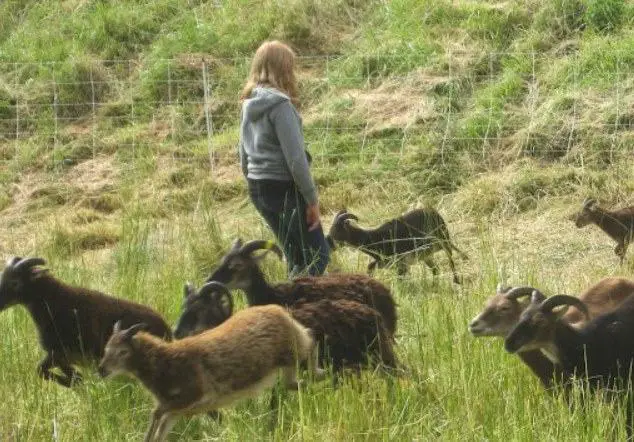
column 557, row 300
column 338, row 214
column 27, row 263
column 347, row 216
column 588, row 203
column 261, row 244
column 518, row 292
column 13, row 261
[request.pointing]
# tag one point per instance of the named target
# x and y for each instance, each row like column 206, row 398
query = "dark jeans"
column 284, row 210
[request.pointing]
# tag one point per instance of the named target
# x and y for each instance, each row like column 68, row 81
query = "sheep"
column 418, row 233
column 236, row 360
column 503, row 310
column 239, row 269
column 618, row 224
column 601, row 352
column 73, row 323
column 346, row 331
column 204, row 309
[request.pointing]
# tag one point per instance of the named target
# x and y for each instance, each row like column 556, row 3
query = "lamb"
column 347, row 332
column 503, row 311
column 238, row 359
column 618, row 224
column 601, row 352
column 239, row 269
column 418, row 233
column 73, row 323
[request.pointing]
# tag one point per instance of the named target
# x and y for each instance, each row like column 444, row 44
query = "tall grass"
column 504, row 116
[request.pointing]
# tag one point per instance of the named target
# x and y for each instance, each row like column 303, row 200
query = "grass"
column 503, row 115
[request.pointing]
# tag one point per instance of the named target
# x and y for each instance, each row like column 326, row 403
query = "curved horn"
column 27, row 263
column 13, row 261
column 518, row 292
column 589, row 202
column 130, row 332
column 558, row 300
column 346, row 216
column 261, row 244
column 338, row 214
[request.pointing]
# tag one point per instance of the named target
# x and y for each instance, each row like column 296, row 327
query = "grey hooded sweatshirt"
column 272, row 143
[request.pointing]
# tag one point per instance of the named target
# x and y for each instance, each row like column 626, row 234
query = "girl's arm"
column 289, row 133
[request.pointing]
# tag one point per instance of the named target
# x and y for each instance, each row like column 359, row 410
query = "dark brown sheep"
column 350, row 334
column 416, row 234
column 618, row 224
column 239, row 269
column 73, row 323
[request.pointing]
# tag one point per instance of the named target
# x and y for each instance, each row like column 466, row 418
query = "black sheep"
column 601, row 352
column 73, row 323
column 416, row 234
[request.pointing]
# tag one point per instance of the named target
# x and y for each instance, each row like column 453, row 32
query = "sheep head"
column 119, row 353
column 240, row 265
column 502, row 311
column 537, row 324
column 204, row 309
column 585, row 215
column 340, row 227
column 17, row 273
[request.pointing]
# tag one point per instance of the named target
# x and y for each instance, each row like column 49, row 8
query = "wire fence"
column 365, row 109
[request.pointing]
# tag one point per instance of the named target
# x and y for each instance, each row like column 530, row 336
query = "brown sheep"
column 349, row 334
column 214, row 369
column 73, row 323
column 503, row 310
column 618, row 224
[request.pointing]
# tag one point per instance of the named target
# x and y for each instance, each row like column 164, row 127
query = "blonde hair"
column 273, row 66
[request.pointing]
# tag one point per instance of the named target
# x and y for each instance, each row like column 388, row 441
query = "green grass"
column 503, row 115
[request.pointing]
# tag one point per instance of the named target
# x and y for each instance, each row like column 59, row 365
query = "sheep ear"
column 237, row 244
column 224, row 302
column 117, row 327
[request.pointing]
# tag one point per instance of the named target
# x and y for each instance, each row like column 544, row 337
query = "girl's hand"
column 312, row 216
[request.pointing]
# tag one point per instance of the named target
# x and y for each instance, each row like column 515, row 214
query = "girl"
column 275, row 162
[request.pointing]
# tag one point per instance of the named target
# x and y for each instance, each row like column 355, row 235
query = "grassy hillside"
column 118, row 124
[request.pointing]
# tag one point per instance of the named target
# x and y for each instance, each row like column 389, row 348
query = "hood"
column 261, row 101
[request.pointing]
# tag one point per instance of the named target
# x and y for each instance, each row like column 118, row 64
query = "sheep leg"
column 318, row 373
column 44, row 371
column 290, row 378
column 401, row 267
column 431, row 264
column 619, row 251
column 456, row 279
column 162, row 423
